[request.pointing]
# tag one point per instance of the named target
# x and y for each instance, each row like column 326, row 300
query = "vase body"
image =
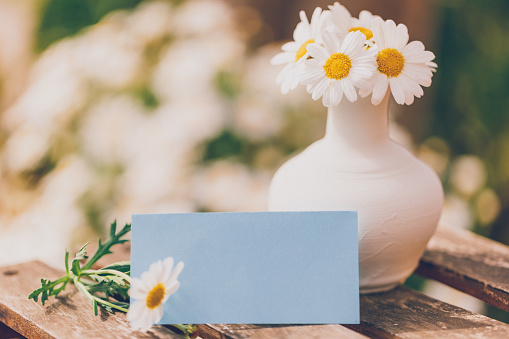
column 357, row 167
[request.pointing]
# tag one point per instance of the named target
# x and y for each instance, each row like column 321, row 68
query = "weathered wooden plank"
column 244, row 331
column 470, row 263
column 403, row 313
column 69, row 316
column 400, row 313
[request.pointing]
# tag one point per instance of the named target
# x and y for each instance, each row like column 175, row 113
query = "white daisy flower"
column 295, row 52
column 151, row 292
column 345, row 23
column 338, row 67
column 403, row 66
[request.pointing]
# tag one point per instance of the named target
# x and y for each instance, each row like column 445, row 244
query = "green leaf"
column 104, row 249
column 49, row 288
column 81, row 255
column 124, row 267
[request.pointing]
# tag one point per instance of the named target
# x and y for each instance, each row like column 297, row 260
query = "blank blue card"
column 255, row 268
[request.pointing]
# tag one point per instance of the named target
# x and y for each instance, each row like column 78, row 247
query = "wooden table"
column 460, row 259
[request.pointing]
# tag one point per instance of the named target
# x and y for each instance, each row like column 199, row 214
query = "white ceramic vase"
column 357, row 167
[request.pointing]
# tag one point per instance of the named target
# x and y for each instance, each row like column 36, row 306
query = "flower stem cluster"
column 336, row 55
column 106, row 287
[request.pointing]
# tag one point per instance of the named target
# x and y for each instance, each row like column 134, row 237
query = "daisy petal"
column 174, row 275
column 418, row 58
column 331, row 42
column 413, row 47
column 341, row 18
column 148, row 279
column 281, row 58
column 363, row 92
column 378, row 33
column 414, row 53
column 138, row 290
column 135, row 310
column 349, row 90
column 316, row 51
column 311, row 77
column 302, row 31
column 290, row 46
column 401, row 38
column 389, row 33
column 411, row 86
column 419, row 73
column 380, row 89
column 167, row 267
column 303, row 18
column 336, row 95
column 288, row 82
column 172, row 289
column 397, row 89
column 320, row 88
column 326, row 99
column 354, row 41
column 409, row 98
column 158, row 314
column 315, row 21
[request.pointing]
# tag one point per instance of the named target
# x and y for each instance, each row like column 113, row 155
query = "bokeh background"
column 109, row 108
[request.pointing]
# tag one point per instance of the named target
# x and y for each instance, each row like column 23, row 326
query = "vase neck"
column 358, row 124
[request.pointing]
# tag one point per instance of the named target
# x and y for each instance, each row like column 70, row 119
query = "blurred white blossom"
column 151, row 21
column 456, row 213
column 468, row 175
column 202, row 17
column 487, row 206
column 228, row 186
column 257, row 119
column 107, row 127
column 25, row 148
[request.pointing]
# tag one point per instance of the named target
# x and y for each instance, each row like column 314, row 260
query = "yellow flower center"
column 302, row 50
column 363, row 30
column 337, row 66
column 390, row 62
column 155, row 296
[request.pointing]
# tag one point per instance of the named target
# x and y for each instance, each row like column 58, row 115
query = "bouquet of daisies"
column 337, row 55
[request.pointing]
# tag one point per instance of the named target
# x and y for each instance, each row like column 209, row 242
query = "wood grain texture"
column 403, row 313
column 69, row 316
column 470, row 263
column 400, row 313
column 244, row 331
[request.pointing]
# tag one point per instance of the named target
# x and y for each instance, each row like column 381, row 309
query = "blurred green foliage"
column 62, row 18
column 472, row 101
column 472, row 105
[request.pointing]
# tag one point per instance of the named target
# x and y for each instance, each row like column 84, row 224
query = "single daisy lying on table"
column 151, row 292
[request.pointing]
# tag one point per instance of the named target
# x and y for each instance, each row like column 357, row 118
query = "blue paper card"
column 257, row 268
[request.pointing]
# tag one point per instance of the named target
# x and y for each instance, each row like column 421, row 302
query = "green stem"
column 90, row 296
column 104, row 302
column 114, row 272
column 63, row 280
